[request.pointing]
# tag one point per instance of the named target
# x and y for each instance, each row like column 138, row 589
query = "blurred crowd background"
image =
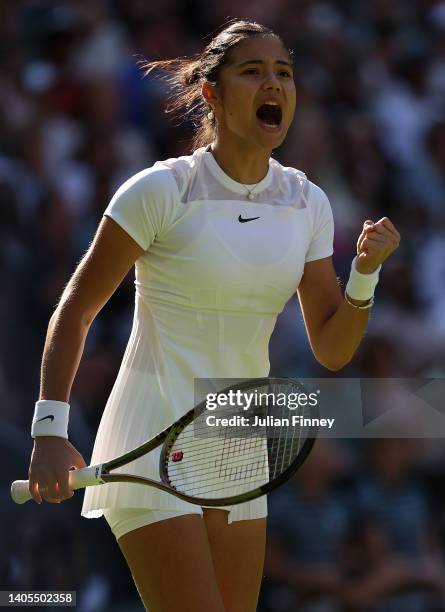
column 361, row 528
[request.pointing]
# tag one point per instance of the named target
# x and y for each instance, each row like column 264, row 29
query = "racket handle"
column 78, row 479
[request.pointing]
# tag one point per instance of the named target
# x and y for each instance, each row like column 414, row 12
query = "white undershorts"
column 124, row 520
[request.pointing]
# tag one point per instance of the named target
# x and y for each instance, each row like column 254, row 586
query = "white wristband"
column 50, row 419
column 362, row 286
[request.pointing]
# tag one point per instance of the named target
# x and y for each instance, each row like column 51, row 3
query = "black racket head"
column 232, row 464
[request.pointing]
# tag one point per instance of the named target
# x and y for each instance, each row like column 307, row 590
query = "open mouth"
column 270, row 115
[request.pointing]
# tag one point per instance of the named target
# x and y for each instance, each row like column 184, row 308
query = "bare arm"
column 104, row 266
column 100, row 272
column 334, row 328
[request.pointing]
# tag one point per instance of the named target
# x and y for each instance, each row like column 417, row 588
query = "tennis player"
column 221, row 239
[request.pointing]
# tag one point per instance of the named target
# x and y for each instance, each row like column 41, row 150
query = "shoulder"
column 182, row 168
column 297, row 185
column 317, row 201
column 291, row 182
column 155, row 181
column 163, row 177
column 156, row 187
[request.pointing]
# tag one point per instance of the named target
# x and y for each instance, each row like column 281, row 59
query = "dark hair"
column 186, row 75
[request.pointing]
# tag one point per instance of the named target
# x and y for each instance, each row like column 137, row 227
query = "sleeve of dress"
column 322, row 241
column 145, row 204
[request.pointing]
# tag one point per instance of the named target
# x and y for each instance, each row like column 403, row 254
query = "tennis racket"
column 219, row 464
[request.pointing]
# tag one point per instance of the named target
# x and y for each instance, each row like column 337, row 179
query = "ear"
column 209, row 94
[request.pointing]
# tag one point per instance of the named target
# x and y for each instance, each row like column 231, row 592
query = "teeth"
column 272, row 103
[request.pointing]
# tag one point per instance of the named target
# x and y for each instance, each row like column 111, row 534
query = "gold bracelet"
column 366, row 306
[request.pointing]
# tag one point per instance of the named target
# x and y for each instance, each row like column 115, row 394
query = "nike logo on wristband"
column 49, row 416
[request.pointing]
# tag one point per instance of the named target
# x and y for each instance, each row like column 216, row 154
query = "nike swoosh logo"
column 50, row 416
column 241, row 220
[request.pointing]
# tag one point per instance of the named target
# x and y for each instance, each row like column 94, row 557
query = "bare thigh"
column 238, row 553
column 172, row 566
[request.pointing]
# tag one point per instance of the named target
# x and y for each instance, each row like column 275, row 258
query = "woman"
column 221, row 239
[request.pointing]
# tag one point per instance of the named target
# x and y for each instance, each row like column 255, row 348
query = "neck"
column 241, row 162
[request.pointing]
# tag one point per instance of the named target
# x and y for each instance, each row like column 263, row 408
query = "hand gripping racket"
column 224, row 463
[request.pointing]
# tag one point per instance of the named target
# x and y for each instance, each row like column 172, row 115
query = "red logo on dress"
column 177, row 456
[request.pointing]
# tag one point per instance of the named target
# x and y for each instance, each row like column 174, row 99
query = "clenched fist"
column 375, row 244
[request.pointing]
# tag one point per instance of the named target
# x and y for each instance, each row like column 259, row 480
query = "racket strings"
column 206, row 462
column 251, row 476
column 210, row 462
column 211, row 478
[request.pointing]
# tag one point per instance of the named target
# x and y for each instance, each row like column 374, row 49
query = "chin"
column 271, row 141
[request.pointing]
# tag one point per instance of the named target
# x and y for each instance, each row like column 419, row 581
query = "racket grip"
column 20, row 491
column 78, row 479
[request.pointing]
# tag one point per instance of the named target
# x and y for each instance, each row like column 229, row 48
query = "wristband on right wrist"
column 50, row 419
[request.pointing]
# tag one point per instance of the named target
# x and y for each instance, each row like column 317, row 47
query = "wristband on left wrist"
column 361, row 286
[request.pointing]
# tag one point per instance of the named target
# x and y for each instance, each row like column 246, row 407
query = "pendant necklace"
column 250, row 194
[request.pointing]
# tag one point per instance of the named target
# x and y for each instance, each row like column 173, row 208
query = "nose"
column 271, row 82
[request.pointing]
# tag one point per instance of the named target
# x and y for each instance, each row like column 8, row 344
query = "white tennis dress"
column 217, row 270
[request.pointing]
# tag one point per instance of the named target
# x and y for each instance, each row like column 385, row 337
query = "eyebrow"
column 258, row 61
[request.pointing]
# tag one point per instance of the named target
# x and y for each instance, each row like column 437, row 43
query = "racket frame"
column 100, row 473
column 175, row 430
